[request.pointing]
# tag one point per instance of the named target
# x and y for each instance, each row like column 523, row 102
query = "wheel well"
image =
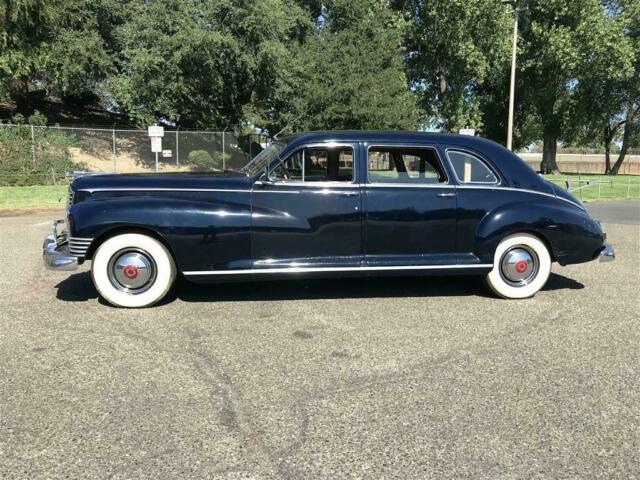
column 126, row 229
column 542, row 238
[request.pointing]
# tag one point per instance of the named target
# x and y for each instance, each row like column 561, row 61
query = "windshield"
column 265, row 157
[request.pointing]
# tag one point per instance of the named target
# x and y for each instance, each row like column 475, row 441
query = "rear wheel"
column 521, row 267
column 133, row 270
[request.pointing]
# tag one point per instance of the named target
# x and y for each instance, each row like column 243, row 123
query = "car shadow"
column 79, row 288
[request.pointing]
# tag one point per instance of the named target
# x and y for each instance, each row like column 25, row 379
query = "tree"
column 458, row 52
column 348, row 74
column 563, row 45
column 201, row 63
column 54, row 46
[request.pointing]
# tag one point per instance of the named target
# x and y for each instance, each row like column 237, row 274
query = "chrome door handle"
column 446, row 195
column 349, row 194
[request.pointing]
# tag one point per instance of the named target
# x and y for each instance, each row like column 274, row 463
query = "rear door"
column 410, row 214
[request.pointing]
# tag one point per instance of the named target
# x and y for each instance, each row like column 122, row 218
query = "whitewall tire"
column 521, row 267
column 133, row 270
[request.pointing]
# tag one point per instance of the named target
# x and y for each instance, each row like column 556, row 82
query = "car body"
column 334, row 204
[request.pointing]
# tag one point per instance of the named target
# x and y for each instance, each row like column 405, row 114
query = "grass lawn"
column 621, row 187
column 37, row 196
column 617, row 187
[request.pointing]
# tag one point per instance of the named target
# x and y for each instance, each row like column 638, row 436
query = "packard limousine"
column 328, row 204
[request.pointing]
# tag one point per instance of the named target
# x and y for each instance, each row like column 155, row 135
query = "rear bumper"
column 607, row 254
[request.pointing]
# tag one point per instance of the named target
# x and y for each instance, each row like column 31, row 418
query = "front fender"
column 571, row 234
column 201, row 231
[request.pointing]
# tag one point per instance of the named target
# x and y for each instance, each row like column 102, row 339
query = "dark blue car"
column 328, row 204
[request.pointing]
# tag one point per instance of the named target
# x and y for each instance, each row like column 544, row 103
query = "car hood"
column 179, row 181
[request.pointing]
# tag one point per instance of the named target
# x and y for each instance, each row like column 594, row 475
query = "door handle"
column 446, row 195
column 349, row 194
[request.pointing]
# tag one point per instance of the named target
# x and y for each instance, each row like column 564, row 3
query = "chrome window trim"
column 328, row 144
column 368, row 182
column 482, row 160
column 335, row 269
column 408, row 185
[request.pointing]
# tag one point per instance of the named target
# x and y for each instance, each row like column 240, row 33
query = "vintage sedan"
column 328, row 204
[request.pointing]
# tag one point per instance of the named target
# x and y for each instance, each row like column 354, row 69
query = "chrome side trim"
column 127, row 189
column 512, row 189
column 409, row 185
column 336, row 269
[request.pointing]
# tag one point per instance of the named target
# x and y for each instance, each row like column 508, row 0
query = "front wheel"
column 133, row 270
column 521, row 267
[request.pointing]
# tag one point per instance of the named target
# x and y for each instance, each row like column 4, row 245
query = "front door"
column 308, row 214
column 410, row 208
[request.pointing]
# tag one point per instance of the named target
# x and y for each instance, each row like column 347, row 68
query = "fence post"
column 599, row 190
column 113, row 155
column 53, row 176
column 177, row 150
column 224, row 162
column 628, row 186
column 33, row 146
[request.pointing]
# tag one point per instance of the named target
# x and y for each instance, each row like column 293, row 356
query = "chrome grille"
column 78, row 246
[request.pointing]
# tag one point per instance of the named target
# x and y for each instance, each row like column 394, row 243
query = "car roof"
column 383, row 135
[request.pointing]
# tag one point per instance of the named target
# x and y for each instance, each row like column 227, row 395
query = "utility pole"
column 512, row 88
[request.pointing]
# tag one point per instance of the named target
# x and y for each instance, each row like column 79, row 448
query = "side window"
column 404, row 165
column 469, row 168
column 317, row 164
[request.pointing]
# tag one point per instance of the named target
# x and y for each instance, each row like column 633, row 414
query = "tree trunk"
column 607, row 150
column 626, row 139
column 21, row 96
column 549, row 148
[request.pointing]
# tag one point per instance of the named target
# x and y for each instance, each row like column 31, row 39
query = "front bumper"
column 607, row 254
column 55, row 251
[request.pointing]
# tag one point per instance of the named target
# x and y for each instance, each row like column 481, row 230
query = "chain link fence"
column 31, row 155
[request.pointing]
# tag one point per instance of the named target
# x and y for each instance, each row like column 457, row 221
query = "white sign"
column 468, row 131
column 156, row 131
column 156, row 144
column 166, row 153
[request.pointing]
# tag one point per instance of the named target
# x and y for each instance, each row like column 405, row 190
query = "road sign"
column 468, row 131
column 156, row 131
column 166, row 153
column 156, row 144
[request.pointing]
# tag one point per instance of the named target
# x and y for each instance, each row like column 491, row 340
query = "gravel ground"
column 378, row 378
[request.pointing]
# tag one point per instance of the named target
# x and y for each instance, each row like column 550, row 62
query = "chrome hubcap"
column 519, row 266
column 132, row 271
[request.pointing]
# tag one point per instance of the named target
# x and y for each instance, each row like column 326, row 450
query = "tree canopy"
column 285, row 65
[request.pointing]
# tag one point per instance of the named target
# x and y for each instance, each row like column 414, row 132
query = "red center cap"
column 521, row 266
column 131, row 271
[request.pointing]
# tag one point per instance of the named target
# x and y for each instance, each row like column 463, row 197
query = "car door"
column 308, row 213
column 410, row 203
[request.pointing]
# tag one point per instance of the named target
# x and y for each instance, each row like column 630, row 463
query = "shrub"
column 23, row 162
column 202, row 161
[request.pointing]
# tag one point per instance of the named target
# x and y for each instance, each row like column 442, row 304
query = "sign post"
column 156, row 133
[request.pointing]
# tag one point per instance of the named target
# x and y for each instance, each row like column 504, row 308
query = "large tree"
column 563, row 45
column 456, row 49
column 348, row 74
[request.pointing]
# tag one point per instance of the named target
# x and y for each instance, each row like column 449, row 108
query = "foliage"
column 50, row 148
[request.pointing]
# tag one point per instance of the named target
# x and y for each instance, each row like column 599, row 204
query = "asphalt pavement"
column 410, row 378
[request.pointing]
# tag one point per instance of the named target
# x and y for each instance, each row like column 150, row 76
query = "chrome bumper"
column 608, row 254
column 55, row 251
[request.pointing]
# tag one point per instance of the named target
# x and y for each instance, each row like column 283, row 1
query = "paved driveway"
column 381, row 378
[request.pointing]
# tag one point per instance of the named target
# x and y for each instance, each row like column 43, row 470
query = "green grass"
column 617, row 187
column 32, row 197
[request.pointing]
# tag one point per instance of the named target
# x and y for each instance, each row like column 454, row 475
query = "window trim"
column 433, row 148
column 325, row 183
column 478, row 157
